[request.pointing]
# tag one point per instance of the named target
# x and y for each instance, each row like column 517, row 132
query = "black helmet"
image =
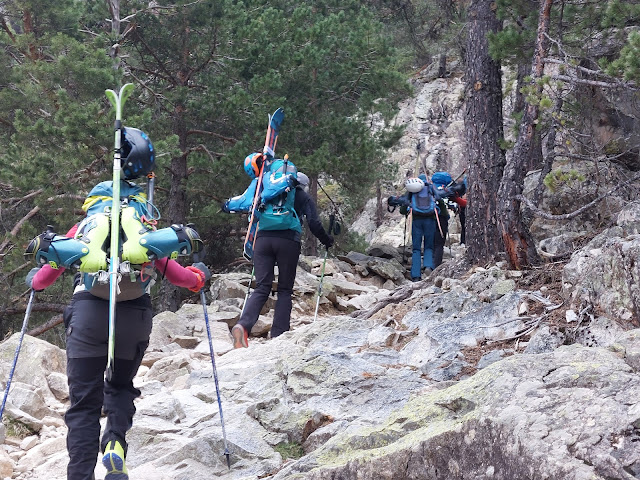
column 137, row 154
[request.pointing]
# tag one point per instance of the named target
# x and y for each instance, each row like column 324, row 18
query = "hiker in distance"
column 450, row 199
column 277, row 241
column 422, row 200
column 86, row 319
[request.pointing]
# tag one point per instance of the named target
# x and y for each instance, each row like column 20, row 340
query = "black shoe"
column 416, row 279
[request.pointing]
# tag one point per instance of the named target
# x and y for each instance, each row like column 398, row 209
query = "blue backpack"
column 423, row 203
column 441, row 179
column 278, row 195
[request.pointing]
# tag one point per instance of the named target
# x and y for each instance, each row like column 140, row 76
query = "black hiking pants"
column 269, row 251
column 87, row 325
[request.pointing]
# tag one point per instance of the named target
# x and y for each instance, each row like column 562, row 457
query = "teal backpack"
column 278, row 195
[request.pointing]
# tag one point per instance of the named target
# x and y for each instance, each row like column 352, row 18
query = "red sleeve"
column 460, row 201
column 47, row 274
column 176, row 273
column 45, row 277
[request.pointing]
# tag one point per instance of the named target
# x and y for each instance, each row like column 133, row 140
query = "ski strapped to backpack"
column 117, row 100
column 268, row 152
column 255, row 165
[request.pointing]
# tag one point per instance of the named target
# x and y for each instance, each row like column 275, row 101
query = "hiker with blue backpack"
column 145, row 251
column 450, row 199
column 283, row 204
column 423, row 200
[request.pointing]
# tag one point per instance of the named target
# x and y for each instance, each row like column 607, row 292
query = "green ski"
column 117, row 100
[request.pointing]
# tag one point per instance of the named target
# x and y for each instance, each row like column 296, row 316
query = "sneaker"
column 113, row 461
column 427, row 270
column 240, row 336
column 416, row 279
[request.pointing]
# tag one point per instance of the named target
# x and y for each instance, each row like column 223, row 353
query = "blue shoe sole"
column 114, row 465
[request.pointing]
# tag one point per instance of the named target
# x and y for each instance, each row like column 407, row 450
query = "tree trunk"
column 311, row 243
column 547, row 163
column 442, row 65
column 483, row 132
column 379, row 204
column 114, row 9
column 177, row 206
column 517, row 239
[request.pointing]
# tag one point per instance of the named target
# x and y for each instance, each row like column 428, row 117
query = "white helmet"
column 303, row 181
column 413, row 185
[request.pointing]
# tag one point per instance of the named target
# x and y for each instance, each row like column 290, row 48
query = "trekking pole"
column 246, row 297
column 203, row 300
column 457, row 178
column 337, row 227
column 15, row 357
column 117, row 100
column 404, row 241
column 332, row 219
column 324, row 263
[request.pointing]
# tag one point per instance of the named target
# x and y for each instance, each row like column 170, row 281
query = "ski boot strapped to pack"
column 172, row 242
column 56, row 250
column 87, row 252
column 134, row 229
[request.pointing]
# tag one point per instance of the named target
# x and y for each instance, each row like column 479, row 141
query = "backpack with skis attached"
column 259, row 167
column 139, row 242
column 448, row 188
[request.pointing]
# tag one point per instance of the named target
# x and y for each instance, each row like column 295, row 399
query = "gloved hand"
column 30, row 275
column 204, row 269
column 392, row 201
column 329, row 243
column 458, row 188
column 200, row 273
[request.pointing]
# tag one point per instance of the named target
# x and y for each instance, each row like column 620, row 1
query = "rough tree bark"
column 170, row 296
column 517, row 239
column 483, row 132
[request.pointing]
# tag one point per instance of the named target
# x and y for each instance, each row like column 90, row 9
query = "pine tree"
column 483, row 132
column 54, row 128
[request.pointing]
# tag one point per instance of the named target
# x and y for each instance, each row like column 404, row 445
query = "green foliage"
column 289, row 450
column 353, row 242
column 505, row 144
column 558, row 178
column 627, row 65
column 16, row 429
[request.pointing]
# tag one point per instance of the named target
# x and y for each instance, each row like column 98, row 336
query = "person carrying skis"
column 450, row 199
column 86, row 319
column 278, row 246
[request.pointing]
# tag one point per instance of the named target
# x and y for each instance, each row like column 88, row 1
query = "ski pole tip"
column 228, row 455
